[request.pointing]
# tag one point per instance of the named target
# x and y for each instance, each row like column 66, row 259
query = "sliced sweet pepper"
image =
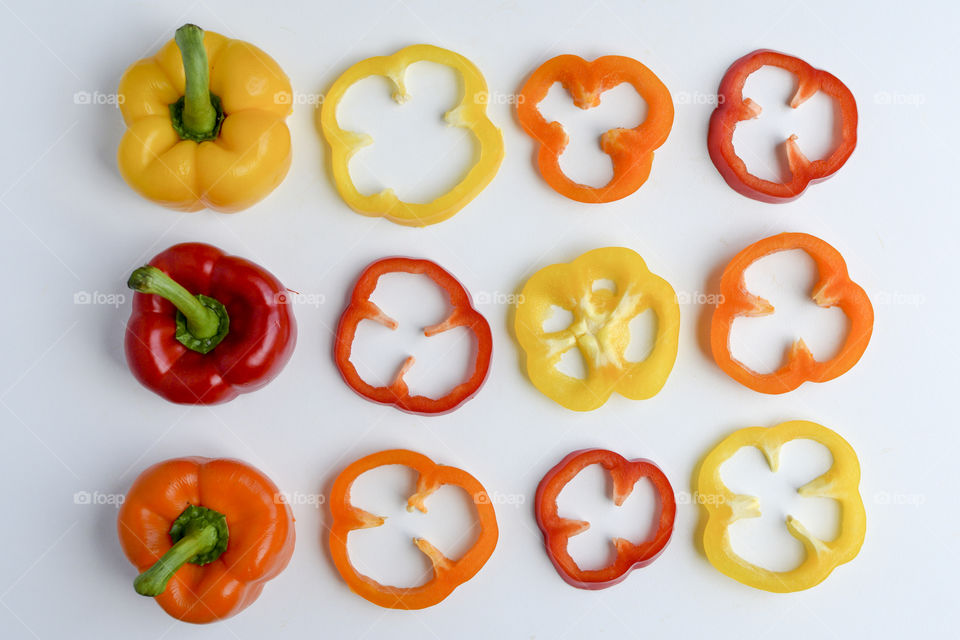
column 631, row 150
column 447, row 574
column 834, row 288
column 206, row 123
column 558, row 530
column 470, row 114
column 733, row 108
column 206, row 535
column 723, row 507
column 600, row 328
column 462, row 314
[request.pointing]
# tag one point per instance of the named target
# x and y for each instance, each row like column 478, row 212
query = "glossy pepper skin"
column 631, row 150
column 469, row 114
column 732, row 108
column 833, row 288
column 260, row 340
column 447, row 574
column 462, row 314
column 245, row 151
column 724, row 507
column 600, row 328
column 558, row 530
column 251, row 543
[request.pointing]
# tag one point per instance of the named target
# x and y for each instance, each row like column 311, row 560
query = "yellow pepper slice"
column 600, row 327
column 723, row 507
column 238, row 157
column 470, row 113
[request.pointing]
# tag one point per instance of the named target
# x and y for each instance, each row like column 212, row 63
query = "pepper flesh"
column 248, row 158
column 733, row 108
column 447, row 574
column 262, row 335
column 462, row 314
column 261, row 529
column 600, row 328
column 624, row 475
column 833, row 288
column 470, row 114
column 723, row 507
column 630, row 150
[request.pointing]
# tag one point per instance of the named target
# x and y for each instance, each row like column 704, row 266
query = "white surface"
column 74, row 419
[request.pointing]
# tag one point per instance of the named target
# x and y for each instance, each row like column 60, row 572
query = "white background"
column 75, row 420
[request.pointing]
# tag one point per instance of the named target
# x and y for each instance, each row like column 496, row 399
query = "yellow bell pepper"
column 206, row 123
column 600, row 328
column 723, row 507
column 470, row 114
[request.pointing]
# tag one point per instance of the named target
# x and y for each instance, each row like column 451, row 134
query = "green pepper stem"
column 199, row 115
column 202, row 321
column 198, row 540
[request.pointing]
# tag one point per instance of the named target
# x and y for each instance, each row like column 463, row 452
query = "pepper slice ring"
column 833, row 288
column 624, row 475
column 723, row 507
column 463, row 314
column 470, row 114
column 447, row 574
column 733, row 108
column 630, row 150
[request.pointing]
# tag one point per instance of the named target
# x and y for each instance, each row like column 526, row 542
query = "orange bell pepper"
column 631, row 150
column 447, row 574
column 834, row 288
column 206, row 536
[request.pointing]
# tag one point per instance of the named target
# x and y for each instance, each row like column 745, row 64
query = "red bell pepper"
column 462, row 315
column 207, row 326
column 557, row 530
column 733, row 108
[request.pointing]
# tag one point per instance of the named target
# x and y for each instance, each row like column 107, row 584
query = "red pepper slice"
column 253, row 342
column 733, row 108
column 630, row 150
column 462, row 315
column 557, row 530
column 834, row 288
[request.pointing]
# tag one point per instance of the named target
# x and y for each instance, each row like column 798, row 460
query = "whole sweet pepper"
column 558, row 530
column 733, row 108
column 447, row 574
column 631, row 150
column 469, row 114
column 600, row 328
column 833, row 288
column 206, row 123
column 206, row 535
column 723, row 507
column 207, row 326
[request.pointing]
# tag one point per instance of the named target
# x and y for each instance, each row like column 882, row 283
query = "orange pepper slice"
column 447, row 574
column 834, row 288
column 631, row 150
